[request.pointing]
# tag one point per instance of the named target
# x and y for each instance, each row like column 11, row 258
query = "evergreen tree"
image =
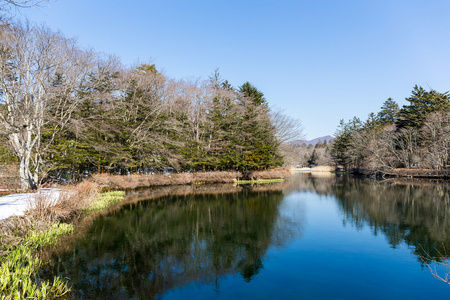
column 342, row 141
column 249, row 91
column 422, row 103
column 257, row 134
column 389, row 112
column 312, row 161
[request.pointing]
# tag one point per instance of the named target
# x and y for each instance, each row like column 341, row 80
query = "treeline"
column 416, row 135
column 302, row 155
column 63, row 108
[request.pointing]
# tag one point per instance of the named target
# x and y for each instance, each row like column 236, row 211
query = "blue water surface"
column 323, row 237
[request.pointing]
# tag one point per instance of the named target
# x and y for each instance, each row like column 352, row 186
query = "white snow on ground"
column 17, row 204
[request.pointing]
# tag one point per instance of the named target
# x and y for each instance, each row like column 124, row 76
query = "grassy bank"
column 21, row 264
column 24, row 240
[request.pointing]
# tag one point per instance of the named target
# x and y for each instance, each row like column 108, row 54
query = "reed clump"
column 61, row 205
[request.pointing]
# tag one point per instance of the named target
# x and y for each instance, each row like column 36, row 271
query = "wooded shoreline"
column 405, row 173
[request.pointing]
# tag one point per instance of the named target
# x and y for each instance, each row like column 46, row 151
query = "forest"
column 67, row 112
column 415, row 136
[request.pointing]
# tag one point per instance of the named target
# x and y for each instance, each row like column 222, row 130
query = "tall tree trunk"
column 26, row 179
column 22, row 145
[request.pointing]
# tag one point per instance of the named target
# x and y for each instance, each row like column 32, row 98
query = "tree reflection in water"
column 414, row 212
column 177, row 239
column 150, row 247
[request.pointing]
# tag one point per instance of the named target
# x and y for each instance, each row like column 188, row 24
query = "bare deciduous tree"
column 436, row 133
column 375, row 148
column 287, row 128
column 21, row 3
column 408, row 147
column 39, row 74
column 6, row 6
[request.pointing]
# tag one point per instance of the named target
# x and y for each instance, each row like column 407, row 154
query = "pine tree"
column 389, row 112
column 422, row 103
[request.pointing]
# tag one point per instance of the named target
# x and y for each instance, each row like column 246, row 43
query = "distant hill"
column 313, row 142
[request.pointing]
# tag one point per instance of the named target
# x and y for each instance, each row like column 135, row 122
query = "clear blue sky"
column 321, row 60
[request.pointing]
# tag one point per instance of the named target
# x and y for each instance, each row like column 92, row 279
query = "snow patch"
column 17, row 204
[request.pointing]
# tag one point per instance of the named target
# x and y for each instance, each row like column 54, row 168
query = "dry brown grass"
column 217, row 177
column 269, row 174
column 323, row 169
column 13, row 229
column 45, row 209
column 73, row 199
column 62, row 205
column 107, row 181
column 137, row 181
column 39, row 205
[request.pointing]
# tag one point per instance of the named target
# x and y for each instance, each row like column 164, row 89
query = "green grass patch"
column 104, row 200
column 20, row 266
column 20, row 263
column 258, row 181
column 340, row 172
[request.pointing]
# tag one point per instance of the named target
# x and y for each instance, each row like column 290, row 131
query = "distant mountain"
column 313, row 142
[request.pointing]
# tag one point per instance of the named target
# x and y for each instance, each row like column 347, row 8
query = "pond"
column 318, row 237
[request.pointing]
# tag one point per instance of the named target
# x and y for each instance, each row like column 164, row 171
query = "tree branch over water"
column 441, row 275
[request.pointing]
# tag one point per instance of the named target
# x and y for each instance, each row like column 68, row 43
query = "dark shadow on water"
column 178, row 236
column 167, row 238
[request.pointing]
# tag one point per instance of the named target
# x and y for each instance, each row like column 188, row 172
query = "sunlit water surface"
column 320, row 237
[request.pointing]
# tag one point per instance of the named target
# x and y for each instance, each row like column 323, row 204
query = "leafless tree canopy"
column 287, row 128
column 39, row 72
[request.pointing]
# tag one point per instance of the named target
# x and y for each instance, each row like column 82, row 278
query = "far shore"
column 313, row 169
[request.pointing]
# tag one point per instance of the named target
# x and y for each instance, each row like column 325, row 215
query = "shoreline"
column 110, row 201
column 314, row 169
column 404, row 173
column 137, row 181
column 418, row 173
column 95, row 197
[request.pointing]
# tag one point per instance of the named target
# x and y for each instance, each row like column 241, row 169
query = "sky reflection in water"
column 323, row 237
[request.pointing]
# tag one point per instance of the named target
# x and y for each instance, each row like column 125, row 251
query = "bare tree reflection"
column 413, row 212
